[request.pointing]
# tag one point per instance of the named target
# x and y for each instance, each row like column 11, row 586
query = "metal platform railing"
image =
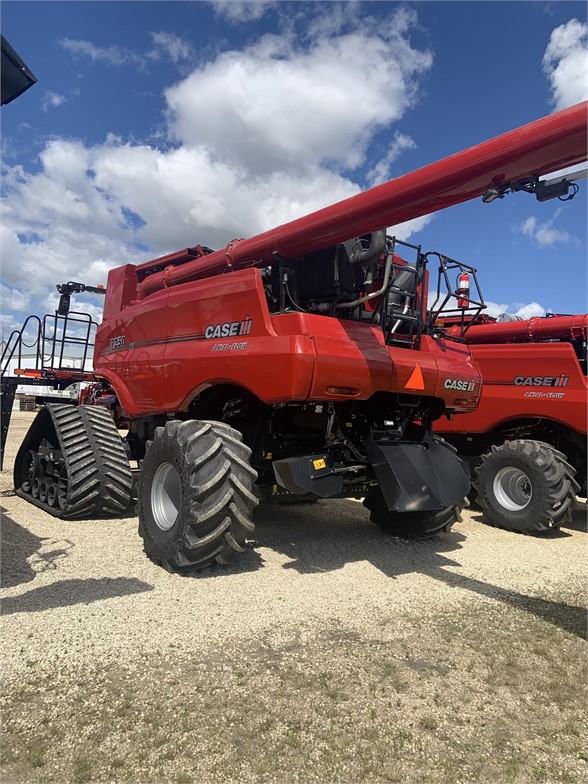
column 50, row 343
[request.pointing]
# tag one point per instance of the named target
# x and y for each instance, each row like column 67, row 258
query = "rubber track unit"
column 215, row 497
column 552, row 478
column 98, row 479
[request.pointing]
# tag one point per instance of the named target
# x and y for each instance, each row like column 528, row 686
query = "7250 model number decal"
column 118, row 342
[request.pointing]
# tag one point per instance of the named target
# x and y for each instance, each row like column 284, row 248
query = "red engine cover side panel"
column 273, row 367
column 354, row 355
column 160, row 352
column 525, row 381
column 179, row 341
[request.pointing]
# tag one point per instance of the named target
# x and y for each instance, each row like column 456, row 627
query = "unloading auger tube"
column 534, row 150
column 533, row 330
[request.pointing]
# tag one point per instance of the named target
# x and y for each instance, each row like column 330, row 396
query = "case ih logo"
column 462, row 386
column 230, row 329
column 541, row 381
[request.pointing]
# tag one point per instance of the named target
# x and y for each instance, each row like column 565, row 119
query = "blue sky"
column 157, row 125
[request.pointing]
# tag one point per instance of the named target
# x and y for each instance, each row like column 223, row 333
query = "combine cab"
column 298, row 364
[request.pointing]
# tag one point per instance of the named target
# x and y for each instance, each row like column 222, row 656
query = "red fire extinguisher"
column 463, row 290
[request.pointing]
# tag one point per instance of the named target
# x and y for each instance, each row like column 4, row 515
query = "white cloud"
column 111, row 55
column 186, row 196
column 276, row 106
column 565, row 63
column 7, row 324
column 242, row 10
column 530, row 310
column 80, row 303
column 381, row 171
column 14, row 300
column 495, row 309
column 284, row 124
column 516, row 308
column 334, row 18
column 165, row 46
column 545, row 234
column 405, row 230
column 169, row 46
column 52, row 100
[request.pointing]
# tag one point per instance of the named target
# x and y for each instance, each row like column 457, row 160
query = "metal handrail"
column 18, row 334
column 52, row 334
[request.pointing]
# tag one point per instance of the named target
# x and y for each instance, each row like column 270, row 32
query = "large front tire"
column 525, row 486
column 195, row 499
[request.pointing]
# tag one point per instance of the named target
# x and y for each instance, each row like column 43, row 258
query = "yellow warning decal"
column 416, row 380
column 319, row 463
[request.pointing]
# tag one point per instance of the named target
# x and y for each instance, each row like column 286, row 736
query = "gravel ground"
column 327, row 652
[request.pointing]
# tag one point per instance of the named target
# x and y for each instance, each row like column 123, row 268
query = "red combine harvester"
column 300, row 363
column 527, row 438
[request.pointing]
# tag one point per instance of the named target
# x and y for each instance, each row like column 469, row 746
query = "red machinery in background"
column 527, row 438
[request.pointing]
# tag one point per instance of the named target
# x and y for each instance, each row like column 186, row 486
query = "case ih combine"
column 527, row 438
column 299, row 363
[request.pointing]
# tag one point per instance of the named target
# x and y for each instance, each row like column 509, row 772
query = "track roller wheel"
column 36, row 487
column 195, row 498
column 43, row 486
column 29, row 470
column 526, row 486
column 52, row 494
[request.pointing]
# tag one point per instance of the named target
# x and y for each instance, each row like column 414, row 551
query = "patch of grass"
column 540, row 773
column 438, row 700
column 83, row 767
column 36, row 754
column 428, row 723
column 392, row 676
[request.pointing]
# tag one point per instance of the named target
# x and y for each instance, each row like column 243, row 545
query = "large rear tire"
column 195, row 497
column 526, row 486
column 411, row 525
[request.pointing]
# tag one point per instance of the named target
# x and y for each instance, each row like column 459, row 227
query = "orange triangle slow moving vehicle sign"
column 416, row 380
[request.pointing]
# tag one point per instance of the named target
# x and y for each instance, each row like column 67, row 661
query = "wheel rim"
column 166, row 496
column 512, row 488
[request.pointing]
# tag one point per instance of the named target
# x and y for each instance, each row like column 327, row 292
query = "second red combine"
column 527, row 438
